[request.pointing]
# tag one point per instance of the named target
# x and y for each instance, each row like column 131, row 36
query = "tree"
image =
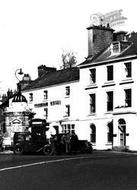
column 68, row 59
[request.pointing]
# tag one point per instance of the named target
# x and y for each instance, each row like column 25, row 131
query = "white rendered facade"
column 120, row 116
column 58, row 104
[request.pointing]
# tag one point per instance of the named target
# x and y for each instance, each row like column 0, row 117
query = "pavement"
column 6, row 152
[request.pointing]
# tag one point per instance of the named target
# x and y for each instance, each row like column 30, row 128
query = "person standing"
column 67, row 142
column 74, row 142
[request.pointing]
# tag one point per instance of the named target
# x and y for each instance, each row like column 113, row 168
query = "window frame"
column 110, row 72
column 67, row 92
column 45, row 94
column 46, row 112
column 92, row 75
column 110, row 131
column 68, row 128
column 31, row 97
column 110, row 101
column 92, row 103
column 67, row 110
column 128, row 97
column 93, row 133
column 128, row 69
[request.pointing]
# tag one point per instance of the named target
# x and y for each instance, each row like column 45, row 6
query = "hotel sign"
column 113, row 19
column 41, row 105
column 56, row 102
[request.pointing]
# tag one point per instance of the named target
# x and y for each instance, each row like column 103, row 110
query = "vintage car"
column 32, row 140
column 28, row 143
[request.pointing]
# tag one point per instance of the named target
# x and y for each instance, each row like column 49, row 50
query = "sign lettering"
column 113, row 19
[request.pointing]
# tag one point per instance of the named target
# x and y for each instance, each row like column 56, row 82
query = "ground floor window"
column 110, row 132
column 93, row 133
column 68, row 128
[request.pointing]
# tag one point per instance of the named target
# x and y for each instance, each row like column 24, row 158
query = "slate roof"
column 54, row 78
column 105, row 55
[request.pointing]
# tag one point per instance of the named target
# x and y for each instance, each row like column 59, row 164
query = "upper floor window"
column 92, row 75
column 45, row 94
column 30, row 97
column 110, row 73
column 110, row 101
column 46, row 112
column 67, row 90
column 128, row 98
column 128, row 69
column 67, row 111
column 92, row 103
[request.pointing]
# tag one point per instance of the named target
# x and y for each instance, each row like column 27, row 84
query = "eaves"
column 49, row 86
column 93, row 64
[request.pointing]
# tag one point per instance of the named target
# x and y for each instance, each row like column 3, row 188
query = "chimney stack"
column 42, row 69
column 99, row 38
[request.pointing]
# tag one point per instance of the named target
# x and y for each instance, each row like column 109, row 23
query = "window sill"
column 67, row 96
column 91, row 86
column 126, row 81
column 65, row 116
column 109, row 83
column 109, row 112
column 123, row 106
column 93, row 143
column 109, row 143
column 92, row 114
column 45, row 100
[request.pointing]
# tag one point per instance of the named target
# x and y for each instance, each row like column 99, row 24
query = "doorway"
column 122, row 132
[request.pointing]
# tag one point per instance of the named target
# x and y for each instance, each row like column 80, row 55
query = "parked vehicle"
column 32, row 140
column 58, row 146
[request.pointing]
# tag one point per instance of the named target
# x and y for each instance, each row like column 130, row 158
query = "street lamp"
column 17, row 73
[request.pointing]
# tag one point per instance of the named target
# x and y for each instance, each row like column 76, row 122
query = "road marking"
column 40, row 163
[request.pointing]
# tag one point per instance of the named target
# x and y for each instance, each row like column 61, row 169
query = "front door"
column 122, row 132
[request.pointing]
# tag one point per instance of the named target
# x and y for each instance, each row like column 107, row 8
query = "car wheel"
column 46, row 150
column 18, row 150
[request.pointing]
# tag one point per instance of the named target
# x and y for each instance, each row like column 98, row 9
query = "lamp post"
column 17, row 73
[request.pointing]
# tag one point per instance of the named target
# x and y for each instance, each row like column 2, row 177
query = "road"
column 99, row 171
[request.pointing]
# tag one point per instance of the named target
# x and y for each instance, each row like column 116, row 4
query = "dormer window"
column 115, row 47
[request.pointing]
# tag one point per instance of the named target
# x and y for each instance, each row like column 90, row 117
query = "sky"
column 35, row 32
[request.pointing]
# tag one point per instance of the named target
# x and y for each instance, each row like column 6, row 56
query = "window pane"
column 92, row 75
column 93, row 133
column 110, row 72
column 67, row 90
column 110, row 101
column 92, row 103
column 128, row 69
column 128, row 100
